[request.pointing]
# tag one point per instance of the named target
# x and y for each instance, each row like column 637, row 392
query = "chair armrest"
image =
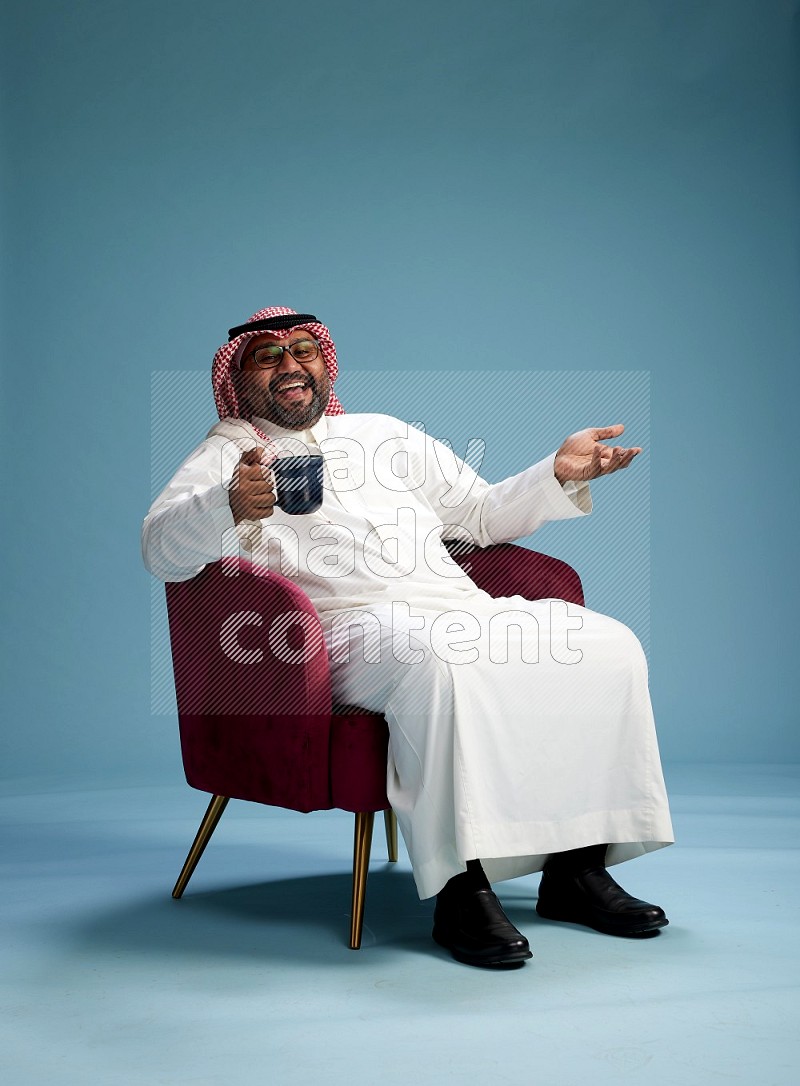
column 253, row 686
column 507, row 569
column 245, row 639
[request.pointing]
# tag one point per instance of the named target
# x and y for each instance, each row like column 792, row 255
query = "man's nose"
column 288, row 364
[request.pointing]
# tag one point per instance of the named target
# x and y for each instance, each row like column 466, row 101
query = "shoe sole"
column 649, row 928
column 507, row 960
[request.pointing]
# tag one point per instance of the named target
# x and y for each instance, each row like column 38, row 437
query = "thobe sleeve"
column 190, row 523
column 497, row 512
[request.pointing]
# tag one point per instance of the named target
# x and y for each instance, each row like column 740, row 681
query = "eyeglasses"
column 303, row 350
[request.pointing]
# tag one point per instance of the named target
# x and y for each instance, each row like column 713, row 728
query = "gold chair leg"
column 207, row 827
column 362, row 843
column 390, row 821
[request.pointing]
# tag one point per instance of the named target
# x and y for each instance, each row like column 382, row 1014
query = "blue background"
column 608, row 186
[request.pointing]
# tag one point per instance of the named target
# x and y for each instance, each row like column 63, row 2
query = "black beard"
column 263, row 405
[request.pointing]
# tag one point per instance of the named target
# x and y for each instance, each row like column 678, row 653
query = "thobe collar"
column 312, row 436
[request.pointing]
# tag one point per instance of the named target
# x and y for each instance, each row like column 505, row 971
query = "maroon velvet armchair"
column 254, row 697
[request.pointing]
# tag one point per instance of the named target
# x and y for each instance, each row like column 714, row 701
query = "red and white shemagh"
column 229, row 354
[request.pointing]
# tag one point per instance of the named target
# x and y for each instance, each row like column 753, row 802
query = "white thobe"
column 518, row 728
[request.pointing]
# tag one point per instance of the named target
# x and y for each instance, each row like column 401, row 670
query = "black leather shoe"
column 476, row 931
column 593, row 898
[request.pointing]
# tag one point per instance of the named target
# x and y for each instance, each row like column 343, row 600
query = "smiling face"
column 292, row 394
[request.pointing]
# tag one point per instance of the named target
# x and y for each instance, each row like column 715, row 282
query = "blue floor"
column 107, row 980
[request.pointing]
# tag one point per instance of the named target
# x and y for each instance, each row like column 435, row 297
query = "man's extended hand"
column 251, row 496
column 583, row 455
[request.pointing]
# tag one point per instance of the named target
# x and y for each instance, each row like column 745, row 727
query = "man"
column 521, row 733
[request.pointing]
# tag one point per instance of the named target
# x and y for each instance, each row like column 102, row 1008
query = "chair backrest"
column 508, row 569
